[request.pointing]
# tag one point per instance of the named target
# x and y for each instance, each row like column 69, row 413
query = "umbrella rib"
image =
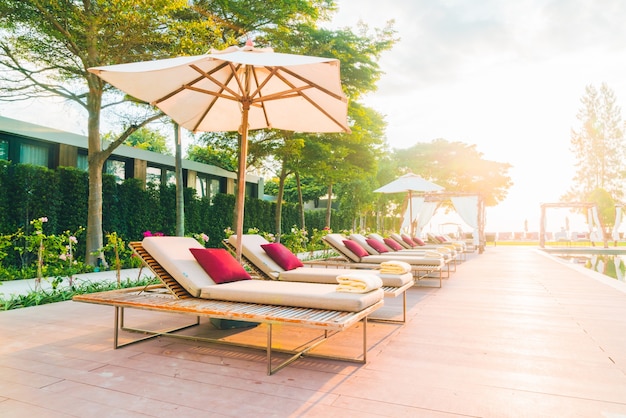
column 202, row 76
column 300, row 92
column 223, row 86
column 297, row 91
column 260, row 104
column 312, row 84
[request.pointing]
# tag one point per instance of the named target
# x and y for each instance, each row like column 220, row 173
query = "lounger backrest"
column 362, row 241
column 173, row 254
column 251, row 249
column 380, row 239
column 336, row 241
column 399, row 240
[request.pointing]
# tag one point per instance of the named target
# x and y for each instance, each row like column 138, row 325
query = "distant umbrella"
column 409, row 183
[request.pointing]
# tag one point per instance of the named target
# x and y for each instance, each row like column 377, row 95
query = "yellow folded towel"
column 395, row 267
column 443, row 250
column 358, row 282
column 433, row 254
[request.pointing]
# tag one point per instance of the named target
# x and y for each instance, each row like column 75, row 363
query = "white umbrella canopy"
column 238, row 89
column 409, row 183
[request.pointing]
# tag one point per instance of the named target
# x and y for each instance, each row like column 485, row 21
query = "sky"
column 507, row 76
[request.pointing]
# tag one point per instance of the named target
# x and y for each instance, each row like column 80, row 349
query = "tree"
column 457, row 167
column 48, row 46
column 143, row 138
column 598, row 146
column 225, row 158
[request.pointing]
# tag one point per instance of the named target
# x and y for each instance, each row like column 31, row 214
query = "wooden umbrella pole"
column 243, row 156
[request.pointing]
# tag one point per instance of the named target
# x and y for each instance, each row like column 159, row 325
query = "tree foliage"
column 457, row 167
column 598, row 145
column 48, row 46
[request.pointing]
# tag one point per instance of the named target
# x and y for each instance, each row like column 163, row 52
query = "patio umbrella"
column 238, row 89
column 409, row 183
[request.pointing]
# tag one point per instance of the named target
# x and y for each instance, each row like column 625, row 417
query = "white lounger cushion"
column 252, row 250
column 336, row 240
column 173, row 254
column 329, row 275
column 302, row 295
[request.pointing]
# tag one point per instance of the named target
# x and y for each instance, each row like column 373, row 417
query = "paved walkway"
column 513, row 333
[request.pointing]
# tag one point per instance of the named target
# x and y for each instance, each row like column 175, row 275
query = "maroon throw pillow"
column 391, row 243
column 355, row 248
column 441, row 239
column 418, row 241
column 220, row 265
column 409, row 241
column 282, row 255
column 377, row 245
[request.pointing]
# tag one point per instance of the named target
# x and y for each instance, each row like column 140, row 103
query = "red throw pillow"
column 377, row 245
column 282, row 255
column 442, row 239
column 220, row 265
column 355, row 248
column 409, row 241
column 391, row 243
column 418, row 241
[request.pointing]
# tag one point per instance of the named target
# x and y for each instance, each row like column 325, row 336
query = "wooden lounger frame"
column 172, row 298
column 390, row 291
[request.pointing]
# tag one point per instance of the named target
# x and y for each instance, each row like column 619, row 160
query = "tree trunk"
column 279, row 202
column 180, row 197
column 300, row 201
column 329, row 204
column 95, row 160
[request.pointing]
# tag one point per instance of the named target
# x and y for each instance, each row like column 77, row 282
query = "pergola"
column 443, row 196
column 570, row 205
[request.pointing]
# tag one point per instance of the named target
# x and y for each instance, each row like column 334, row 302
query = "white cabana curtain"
column 467, row 208
column 595, row 234
column 617, row 224
column 426, row 214
column 414, row 205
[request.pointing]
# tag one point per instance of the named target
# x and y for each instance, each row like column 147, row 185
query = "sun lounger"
column 422, row 267
column 189, row 289
column 451, row 253
column 293, row 270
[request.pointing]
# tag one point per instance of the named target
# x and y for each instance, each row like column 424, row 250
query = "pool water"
column 610, row 265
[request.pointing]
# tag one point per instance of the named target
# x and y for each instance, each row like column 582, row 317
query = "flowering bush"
column 296, row 240
column 202, row 238
column 317, row 239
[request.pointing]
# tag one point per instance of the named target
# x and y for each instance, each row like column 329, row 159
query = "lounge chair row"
column 222, row 289
column 359, row 252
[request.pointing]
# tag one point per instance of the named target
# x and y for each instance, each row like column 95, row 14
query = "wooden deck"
column 511, row 333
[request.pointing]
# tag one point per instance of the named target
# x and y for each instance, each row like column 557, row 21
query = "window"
column 170, row 177
column 34, row 154
column 207, row 187
column 82, row 162
column 153, row 175
column 116, row 168
column 4, row 149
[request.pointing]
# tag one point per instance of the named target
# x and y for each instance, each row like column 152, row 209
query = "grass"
column 41, row 297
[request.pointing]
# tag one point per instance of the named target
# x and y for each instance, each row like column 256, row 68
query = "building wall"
column 70, row 150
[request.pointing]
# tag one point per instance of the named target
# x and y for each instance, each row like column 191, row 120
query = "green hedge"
column 29, row 192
